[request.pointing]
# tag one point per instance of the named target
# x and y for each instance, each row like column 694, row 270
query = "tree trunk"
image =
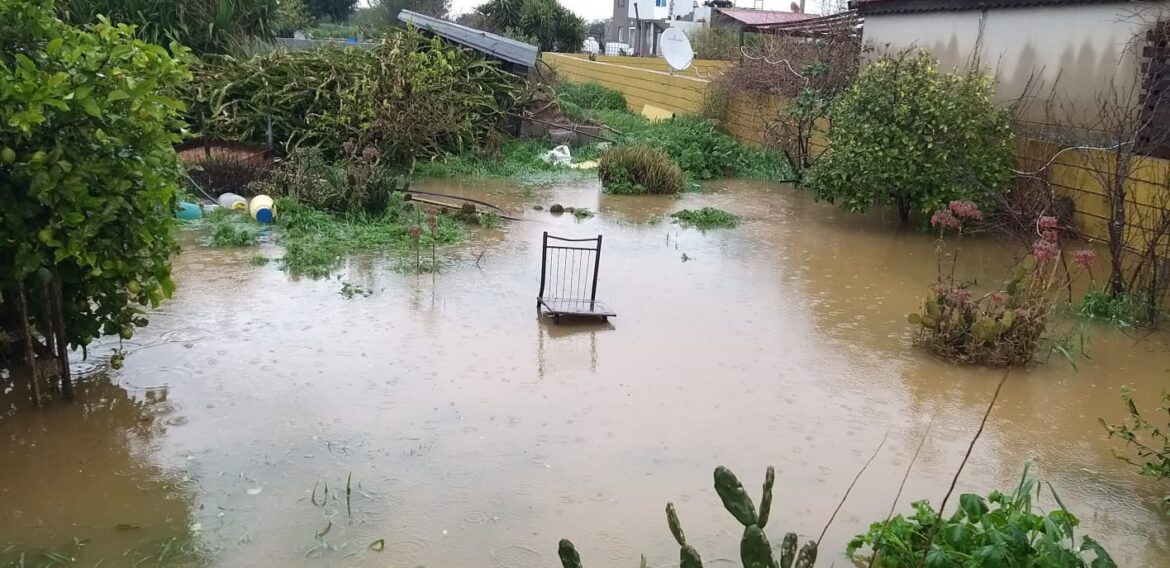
column 58, row 302
column 30, row 357
column 903, row 208
column 1116, row 239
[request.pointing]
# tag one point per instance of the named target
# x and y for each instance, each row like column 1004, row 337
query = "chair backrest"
column 568, row 268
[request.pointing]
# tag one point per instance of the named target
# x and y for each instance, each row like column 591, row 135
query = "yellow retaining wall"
column 1077, row 174
column 700, row 68
column 645, row 80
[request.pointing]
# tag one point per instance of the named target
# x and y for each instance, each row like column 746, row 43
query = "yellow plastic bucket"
column 262, row 209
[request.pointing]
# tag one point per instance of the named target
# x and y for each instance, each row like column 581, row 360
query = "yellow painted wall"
column 645, row 81
column 700, row 69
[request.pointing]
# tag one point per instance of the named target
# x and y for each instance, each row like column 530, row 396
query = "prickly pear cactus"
column 788, row 550
column 735, row 499
column 808, row 555
column 568, row 554
column 675, row 527
column 689, row 558
column 754, row 550
column 766, row 500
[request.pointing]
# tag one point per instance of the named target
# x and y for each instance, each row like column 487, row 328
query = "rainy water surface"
column 470, row 432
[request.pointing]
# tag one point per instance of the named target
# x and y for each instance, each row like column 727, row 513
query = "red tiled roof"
column 763, row 17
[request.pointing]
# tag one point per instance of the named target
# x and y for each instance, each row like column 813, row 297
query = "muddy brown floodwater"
column 474, row 434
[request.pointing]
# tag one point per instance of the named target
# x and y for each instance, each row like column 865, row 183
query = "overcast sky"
column 600, row 9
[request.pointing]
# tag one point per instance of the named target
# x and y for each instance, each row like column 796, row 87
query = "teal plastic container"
column 189, row 211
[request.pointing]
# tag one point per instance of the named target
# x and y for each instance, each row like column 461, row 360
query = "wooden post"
column 62, row 338
column 30, row 357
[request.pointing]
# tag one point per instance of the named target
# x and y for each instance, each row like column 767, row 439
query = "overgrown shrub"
column 908, row 136
column 411, row 98
column 997, row 530
column 1003, row 327
column 591, row 96
column 715, row 42
column 88, row 175
column 1123, row 310
column 704, row 153
column 204, row 26
column 1149, row 442
column 358, row 183
column 640, row 169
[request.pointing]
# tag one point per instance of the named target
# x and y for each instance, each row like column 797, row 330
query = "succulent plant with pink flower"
column 944, row 219
column 966, row 210
column 1085, row 258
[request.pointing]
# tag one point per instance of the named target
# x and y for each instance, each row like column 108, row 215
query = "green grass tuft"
column 707, row 218
column 629, row 170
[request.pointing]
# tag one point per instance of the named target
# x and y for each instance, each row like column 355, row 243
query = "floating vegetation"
column 259, row 260
column 316, row 242
column 707, row 218
column 350, row 290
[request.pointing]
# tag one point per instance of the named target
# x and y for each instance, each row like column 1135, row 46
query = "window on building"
column 660, row 3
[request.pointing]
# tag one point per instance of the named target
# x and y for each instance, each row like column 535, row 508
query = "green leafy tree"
column 382, row 15
column 908, row 136
column 88, row 174
column 292, row 16
column 551, row 25
column 204, row 26
column 333, row 10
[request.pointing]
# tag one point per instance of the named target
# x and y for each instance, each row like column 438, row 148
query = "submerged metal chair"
column 568, row 278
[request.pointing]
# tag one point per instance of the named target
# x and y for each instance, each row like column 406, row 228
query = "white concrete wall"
column 1087, row 47
column 648, row 11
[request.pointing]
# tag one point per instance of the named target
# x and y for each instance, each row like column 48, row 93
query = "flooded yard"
column 267, row 420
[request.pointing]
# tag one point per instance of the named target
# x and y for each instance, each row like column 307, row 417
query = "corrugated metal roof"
column 869, row 7
column 763, row 17
column 490, row 44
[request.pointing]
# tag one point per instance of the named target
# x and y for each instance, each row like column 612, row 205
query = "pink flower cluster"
column 1047, row 248
column 958, row 296
column 944, row 219
column 998, row 298
column 415, row 232
column 966, row 210
column 371, row 154
column 1048, row 224
column 1085, row 258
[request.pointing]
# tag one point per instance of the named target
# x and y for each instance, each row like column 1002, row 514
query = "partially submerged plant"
column 1149, row 442
column 754, row 549
column 707, row 218
column 640, row 169
column 1002, row 327
column 999, row 530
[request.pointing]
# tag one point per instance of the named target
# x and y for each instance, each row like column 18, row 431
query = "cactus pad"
column 675, row 527
column 788, row 550
column 568, row 554
column 754, row 549
column 766, row 500
column 735, row 499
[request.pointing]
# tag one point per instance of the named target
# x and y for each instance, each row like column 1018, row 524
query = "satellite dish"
column 676, row 49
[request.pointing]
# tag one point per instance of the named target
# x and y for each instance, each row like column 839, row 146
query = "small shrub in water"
column 1003, row 327
column 259, row 260
column 1149, row 442
column 1124, row 310
column 640, row 169
column 582, row 213
column 358, row 183
column 230, row 230
column 999, row 530
column 707, row 218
